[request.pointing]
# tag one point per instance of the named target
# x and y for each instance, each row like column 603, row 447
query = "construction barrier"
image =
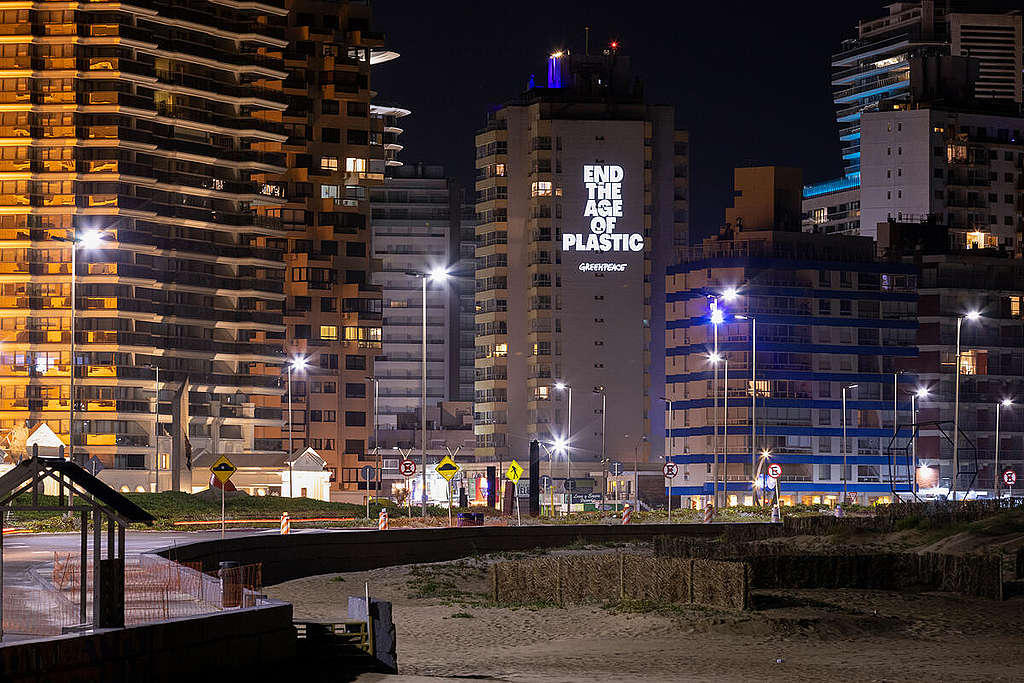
column 382, row 520
column 286, row 524
column 709, row 513
column 627, row 514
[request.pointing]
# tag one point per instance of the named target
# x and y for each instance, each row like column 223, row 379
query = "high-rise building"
column 830, row 325
column 581, row 199
column 954, row 283
column 336, row 145
column 895, row 62
column 417, row 228
column 138, row 133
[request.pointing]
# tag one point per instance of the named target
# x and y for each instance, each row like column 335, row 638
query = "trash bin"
column 230, row 584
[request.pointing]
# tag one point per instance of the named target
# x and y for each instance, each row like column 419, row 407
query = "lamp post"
column 668, row 454
column 604, row 442
column 441, row 275
column 376, row 441
column 562, row 386
column 846, row 448
column 296, row 364
column 725, row 432
column 753, row 387
column 919, row 394
column 89, row 240
column 636, row 470
column 972, row 316
column 717, row 317
column 156, row 426
column 1005, row 403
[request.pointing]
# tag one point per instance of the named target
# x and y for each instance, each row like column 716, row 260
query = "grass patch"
column 461, row 615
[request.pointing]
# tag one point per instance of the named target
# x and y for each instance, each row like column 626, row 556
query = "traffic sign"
column 774, row 470
column 93, row 465
column 447, row 468
column 670, row 470
column 407, row 468
column 515, row 470
column 368, row 473
column 615, row 467
column 569, row 485
column 223, row 469
column 1010, row 477
column 545, row 482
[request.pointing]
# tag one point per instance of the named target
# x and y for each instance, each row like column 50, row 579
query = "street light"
column 668, row 455
column 562, row 386
column 846, row 448
column 296, row 364
column 1005, row 403
column 753, row 386
column 156, row 428
column 90, row 240
column 376, row 441
column 921, row 393
column 716, row 358
column 636, row 470
column 604, row 453
column 440, row 275
column 717, row 318
column 765, row 455
column 972, row 316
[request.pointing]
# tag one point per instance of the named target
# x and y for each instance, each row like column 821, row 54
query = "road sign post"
column 515, row 471
column 1010, row 478
column 775, row 472
column 670, row 470
column 222, row 469
column 369, row 475
column 447, row 468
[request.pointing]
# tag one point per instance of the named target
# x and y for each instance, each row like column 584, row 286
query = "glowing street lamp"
column 1005, row 403
column 972, row 316
column 297, row 364
column 562, row 386
column 920, row 394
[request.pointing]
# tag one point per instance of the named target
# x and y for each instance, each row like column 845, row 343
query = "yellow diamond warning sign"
column 515, row 470
column 223, row 469
column 447, row 468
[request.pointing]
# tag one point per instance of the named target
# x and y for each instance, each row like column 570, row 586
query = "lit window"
column 974, row 362
column 329, row 163
column 1015, row 306
column 328, row 192
column 541, row 393
column 981, row 240
column 329, row 332
column 501, row 350
column 541, row 189
column 499, row 169
column 354, row 165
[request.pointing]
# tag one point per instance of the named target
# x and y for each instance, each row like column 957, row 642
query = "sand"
column 447, row 632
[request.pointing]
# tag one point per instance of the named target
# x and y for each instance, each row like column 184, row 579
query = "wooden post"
column 558, row 580
column 622, row 577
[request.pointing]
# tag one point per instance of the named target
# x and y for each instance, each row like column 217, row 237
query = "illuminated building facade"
column 139, row 129
column 826, row 314
column 337, row 146
column 581, row 201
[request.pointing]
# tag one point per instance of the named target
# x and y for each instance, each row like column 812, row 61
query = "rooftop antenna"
column 586, row 42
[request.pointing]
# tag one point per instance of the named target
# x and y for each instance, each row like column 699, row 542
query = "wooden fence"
column 568, row 580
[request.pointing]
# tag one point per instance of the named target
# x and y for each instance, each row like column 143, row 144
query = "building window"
column 1015, row 306
column 329, row 192
column 355, row 390
column 329, row 163
column 541, row 189
column 355, row 418
column 355, row 165
column 500, row 350
column 329, row 332
column 353, row 362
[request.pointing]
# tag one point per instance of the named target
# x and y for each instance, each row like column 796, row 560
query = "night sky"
column 749, row 80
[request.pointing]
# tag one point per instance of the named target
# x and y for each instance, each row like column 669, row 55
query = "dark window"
column 360, row 109
column 328, row 304
column 302, row 304
column 353, row 362
column 329, row 361
column 355, row 277
column 302, row 331
column 129, row 462
column 358, row 137
column 329, row 107
column 355, row 390
column 330, row 135
column 354, row 446
column 355, row 418
column 355, row 249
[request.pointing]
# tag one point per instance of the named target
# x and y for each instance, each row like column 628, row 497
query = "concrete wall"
column 307, row 554
column 224, row 646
